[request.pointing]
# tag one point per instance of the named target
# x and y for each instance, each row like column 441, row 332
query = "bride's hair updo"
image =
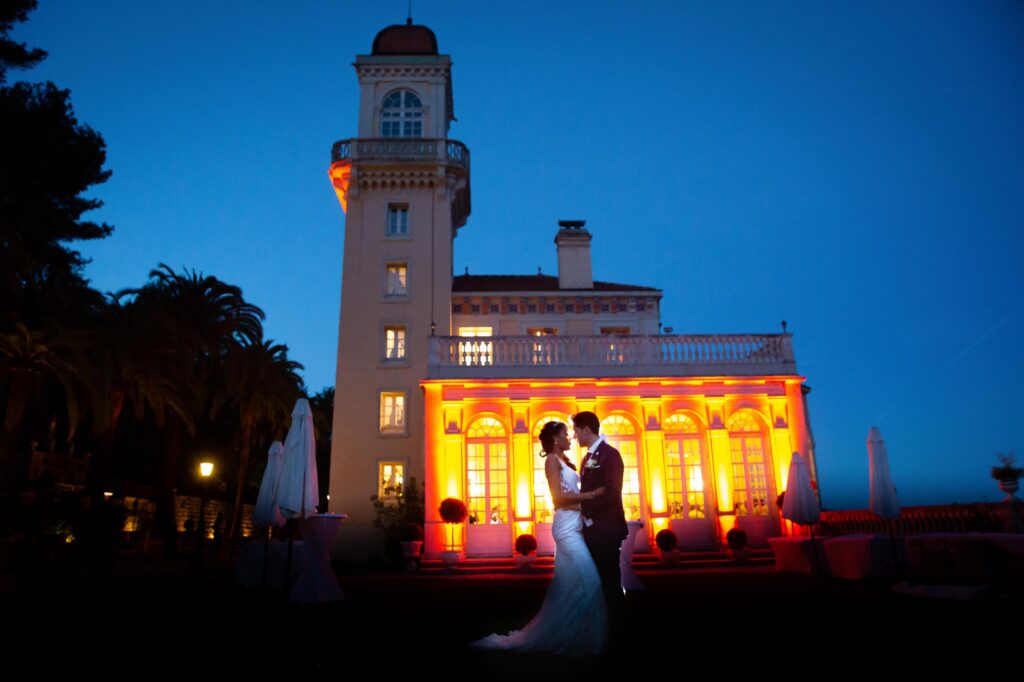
column 547, row 438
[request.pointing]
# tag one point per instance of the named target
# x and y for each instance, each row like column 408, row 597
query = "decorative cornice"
column 404, row 71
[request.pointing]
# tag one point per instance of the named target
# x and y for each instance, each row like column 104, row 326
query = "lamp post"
column 205, row 471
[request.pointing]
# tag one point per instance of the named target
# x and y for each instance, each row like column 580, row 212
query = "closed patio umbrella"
column 800, row 505
column 267, row 512
column 298, row 491
column 882, row 498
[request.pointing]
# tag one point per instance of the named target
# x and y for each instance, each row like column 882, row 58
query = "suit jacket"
column 604, row 468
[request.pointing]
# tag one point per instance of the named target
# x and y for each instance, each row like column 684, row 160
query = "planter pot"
column 525, row 560
column 411, row 552
column 451, row 559
column 741, row 554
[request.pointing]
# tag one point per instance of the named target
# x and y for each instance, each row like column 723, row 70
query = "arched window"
column 487, row 471
column 749, row 469
column 684, row 467
column 619, row 431
column 401, row 115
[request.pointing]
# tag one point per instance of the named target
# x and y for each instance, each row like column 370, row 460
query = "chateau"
column 448, row 378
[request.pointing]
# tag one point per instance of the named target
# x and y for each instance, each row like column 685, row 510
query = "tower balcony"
column 401, row 150
column 385, row 151
column 494, row 357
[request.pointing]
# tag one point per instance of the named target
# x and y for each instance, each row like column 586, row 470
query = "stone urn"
column 411, row 553
column 525, row 560
column 1009, row 487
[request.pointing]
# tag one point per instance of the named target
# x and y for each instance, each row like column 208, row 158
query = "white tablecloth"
column 251, row 560
column 794, row 554
column 317, row 582
column 864, row 556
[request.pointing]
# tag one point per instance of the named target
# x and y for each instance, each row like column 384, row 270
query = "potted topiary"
column 526, row 545
column 737, row 541
column 453, row 511
column 1007, row 474
column 412, row 545
column 667, row 542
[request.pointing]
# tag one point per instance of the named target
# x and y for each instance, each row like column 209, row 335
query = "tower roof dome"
column 405, row 38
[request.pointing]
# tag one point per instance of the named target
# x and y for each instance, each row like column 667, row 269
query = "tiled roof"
column 530, row 283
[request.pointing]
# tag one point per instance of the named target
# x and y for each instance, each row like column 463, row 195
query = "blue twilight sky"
column 855, row 168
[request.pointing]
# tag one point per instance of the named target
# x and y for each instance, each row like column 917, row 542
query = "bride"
column 573, row 619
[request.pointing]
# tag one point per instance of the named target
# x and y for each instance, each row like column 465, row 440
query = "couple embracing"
column 584, row 610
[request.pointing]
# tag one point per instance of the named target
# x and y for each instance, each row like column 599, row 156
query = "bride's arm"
column 553, row 470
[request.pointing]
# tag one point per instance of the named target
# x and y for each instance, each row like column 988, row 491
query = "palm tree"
column 143, row 365
column 209, row 318
column 262, row 383
column 29, row 358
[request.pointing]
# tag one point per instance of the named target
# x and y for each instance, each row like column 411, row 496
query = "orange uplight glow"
column 340, row 173
column 658, row 524
column 657, row 493
column 524, row 505
column 724, row 493
column 708, row 479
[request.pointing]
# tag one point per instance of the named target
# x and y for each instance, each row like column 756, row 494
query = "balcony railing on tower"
column 386, row 149
column 581, row 356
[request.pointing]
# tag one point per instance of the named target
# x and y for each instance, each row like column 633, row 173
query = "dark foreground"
column 153, row 619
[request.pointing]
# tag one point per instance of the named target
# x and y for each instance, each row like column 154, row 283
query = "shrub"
column 736, row 538
column 526, row 544
column 666, row 540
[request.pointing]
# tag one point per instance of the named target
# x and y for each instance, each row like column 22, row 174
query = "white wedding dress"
column 573, row 620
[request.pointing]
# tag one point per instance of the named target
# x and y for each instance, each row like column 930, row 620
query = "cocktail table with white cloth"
column 793, row 553
column 316, row 582
column 865, row 555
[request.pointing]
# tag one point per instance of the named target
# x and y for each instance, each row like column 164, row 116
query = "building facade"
column 448, row 379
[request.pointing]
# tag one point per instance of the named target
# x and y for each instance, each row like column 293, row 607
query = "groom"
column 604, row 523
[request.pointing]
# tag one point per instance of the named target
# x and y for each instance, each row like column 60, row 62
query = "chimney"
column 573, row 244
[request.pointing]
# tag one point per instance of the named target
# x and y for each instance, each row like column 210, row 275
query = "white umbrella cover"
column 267, row 512
column 800, row 505
column 299, row 491
column 882, row 500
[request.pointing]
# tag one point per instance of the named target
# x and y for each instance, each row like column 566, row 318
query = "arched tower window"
column 749, row 464
column 401, row 115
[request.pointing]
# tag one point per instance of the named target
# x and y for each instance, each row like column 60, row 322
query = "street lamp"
column 205, row 471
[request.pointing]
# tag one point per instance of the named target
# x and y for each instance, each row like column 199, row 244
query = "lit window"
column 392, row 412
column 394, row 343
column 475, row 331
column 615, row 331
column 398, row 220
column 391, row 479
column 397, row 280
column 401, row 115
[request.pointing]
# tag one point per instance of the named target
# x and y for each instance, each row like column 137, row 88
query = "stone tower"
column 404, row 187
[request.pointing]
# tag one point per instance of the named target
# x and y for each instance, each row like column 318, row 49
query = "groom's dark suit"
column 604, row 536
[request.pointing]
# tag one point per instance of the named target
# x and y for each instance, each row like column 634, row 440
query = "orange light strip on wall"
column 340, row 173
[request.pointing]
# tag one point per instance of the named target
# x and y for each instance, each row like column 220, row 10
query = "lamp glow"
column 205, row 469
